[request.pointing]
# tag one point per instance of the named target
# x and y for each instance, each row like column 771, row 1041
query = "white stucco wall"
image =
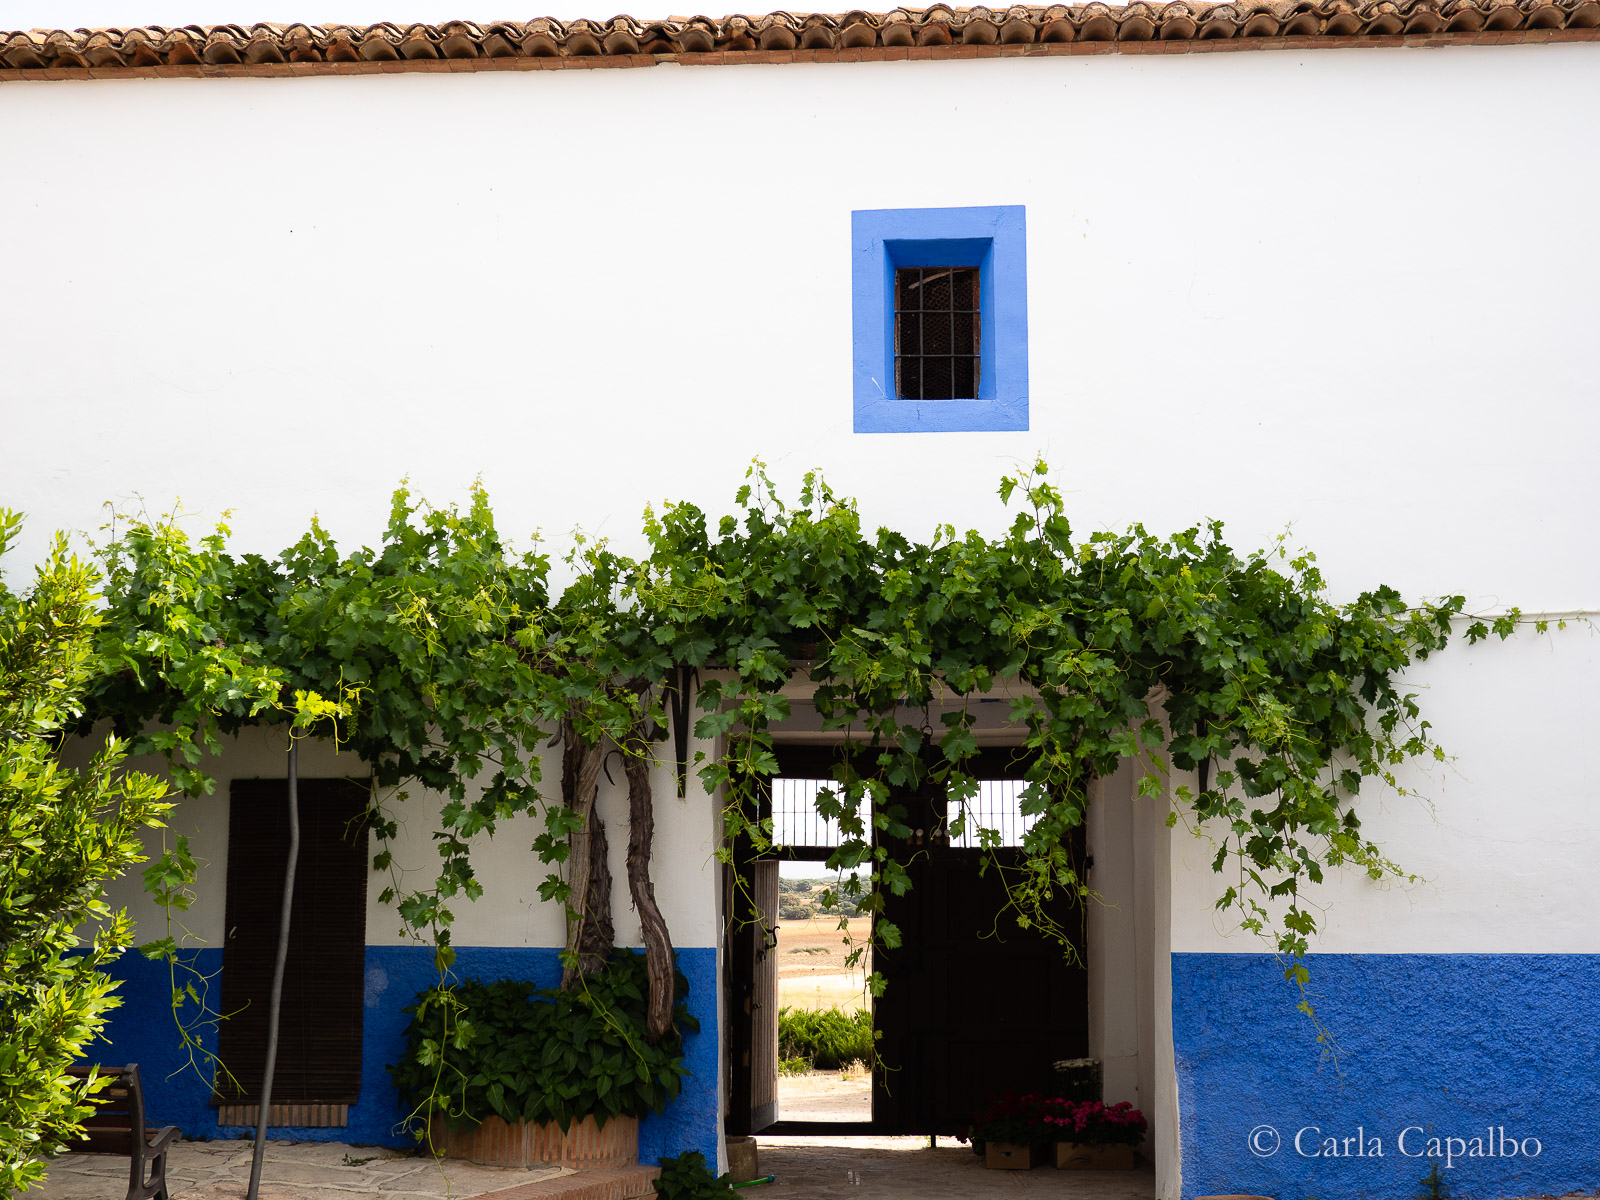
column 1262, row 287
column 509, row 913
column 1129, row 957
column 1504, row 837
column 280, row 297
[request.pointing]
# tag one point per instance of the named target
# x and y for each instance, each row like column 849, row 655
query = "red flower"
column 1039, row 1119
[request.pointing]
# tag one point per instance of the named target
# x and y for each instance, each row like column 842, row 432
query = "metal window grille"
column 937, row 333
column 997, row 806
column 795, row 820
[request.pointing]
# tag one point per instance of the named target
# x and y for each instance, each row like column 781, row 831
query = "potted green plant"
column 509, row 1074
column 1091, row 1135
column 687, row 1176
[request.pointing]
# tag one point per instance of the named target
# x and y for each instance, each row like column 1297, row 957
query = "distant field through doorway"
column 816, row 983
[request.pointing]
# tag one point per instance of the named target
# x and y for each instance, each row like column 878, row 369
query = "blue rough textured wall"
column 1491, row 1047
column 693, row 1122
column 142, row 1031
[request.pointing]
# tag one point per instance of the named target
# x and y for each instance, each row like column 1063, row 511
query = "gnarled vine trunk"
column 590, row 897
column 596, row 936
column 641, row 834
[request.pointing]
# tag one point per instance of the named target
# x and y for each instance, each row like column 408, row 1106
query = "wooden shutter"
column 319, row 1028
column 753, row 962
column 764, row 1001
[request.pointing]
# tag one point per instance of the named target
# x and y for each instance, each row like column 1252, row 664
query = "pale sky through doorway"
column 806, row 870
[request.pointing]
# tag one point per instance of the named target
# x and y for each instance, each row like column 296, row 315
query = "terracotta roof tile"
column 941, row 31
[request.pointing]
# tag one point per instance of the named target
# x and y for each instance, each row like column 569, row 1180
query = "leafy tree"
column 64, row 833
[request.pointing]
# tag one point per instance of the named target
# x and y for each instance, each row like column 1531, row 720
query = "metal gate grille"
column 997, row 806
column 795, row 820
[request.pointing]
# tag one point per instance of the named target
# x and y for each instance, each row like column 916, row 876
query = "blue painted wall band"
column 1458, row 1054
column 994, row 239
column 142, row 1031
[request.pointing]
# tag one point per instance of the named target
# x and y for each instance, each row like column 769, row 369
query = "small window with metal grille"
column 939, row 319
column 997, row 806
column 938, row 333
column 795, row 820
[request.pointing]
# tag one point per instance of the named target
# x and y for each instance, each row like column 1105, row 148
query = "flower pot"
column 519, row 1144
column 1070, row 1156
column 1006, row 1156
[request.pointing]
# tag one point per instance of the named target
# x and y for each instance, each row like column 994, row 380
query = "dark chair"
column 117, row 1127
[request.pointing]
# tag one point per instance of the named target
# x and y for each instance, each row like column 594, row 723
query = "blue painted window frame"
column 993, row 239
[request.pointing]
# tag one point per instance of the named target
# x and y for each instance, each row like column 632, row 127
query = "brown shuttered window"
column 319, row 1029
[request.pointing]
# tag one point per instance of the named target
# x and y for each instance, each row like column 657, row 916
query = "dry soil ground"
column 811, row 964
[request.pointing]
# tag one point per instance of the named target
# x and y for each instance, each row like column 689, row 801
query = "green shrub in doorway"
column 687, row 1177
column 1078, row 1079
column 827, row 1037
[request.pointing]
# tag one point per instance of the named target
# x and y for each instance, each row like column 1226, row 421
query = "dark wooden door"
column 319, row 1027
column 753, row 945
column 974, row 1005
column 763, row 935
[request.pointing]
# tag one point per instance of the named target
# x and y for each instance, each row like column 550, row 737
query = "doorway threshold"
column 822, row 1129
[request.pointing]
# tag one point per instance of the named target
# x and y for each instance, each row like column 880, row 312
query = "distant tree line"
column 802, row 899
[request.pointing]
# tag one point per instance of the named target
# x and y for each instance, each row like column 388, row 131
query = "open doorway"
column 825, row 1043
column 801, row 1021
column 974, row 1006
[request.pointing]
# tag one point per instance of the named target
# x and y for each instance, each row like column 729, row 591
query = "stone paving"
column 291, row 1171
column 835, row 1168
column 839, row 1168
column 906, row 1168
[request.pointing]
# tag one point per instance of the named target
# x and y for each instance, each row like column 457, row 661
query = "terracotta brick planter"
column 1072, row 1157
column 495, row 1143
